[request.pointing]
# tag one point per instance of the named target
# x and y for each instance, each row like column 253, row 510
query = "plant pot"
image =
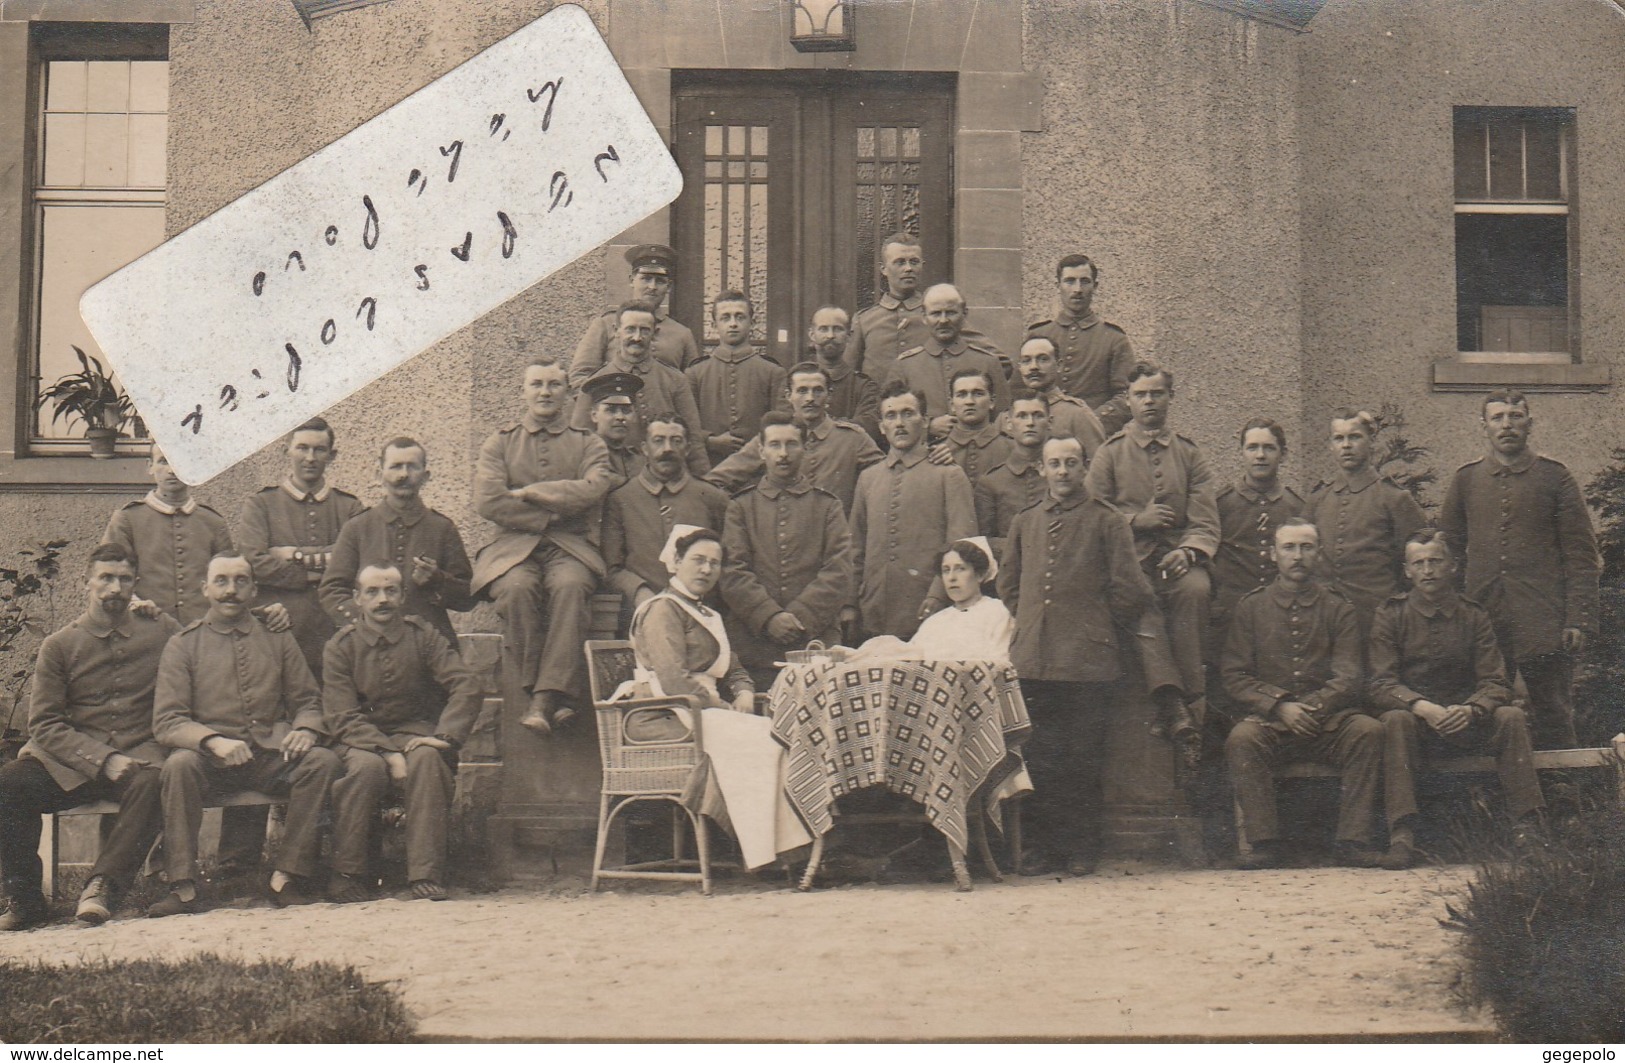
column 101, row 441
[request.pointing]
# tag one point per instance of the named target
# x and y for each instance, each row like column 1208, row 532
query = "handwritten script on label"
column 381, row 244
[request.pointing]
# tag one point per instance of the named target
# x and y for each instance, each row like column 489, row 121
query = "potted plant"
column 91, row 396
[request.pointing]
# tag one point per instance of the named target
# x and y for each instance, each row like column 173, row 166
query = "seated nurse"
column 973, row 627
column 681, row 642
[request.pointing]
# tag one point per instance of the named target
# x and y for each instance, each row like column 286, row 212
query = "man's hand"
column 282, row 553
column 940, row 454
column 1175, row 563
column 785, row 629
column 1574, row 641
column 275, row 616
column 942, row 424
column 723, row 444
column 1154, row 517
column 145, row 608
column 228, row 751
column 929, row 606
column 1456, row 718
column 1299, row 719
column 1429, row 712
column 424, row 571
column 427, row 742
column 116, row 766
column 745, row 702
column 296, row 743
column 396, row 763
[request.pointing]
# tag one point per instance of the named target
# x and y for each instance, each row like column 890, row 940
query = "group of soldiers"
column 1333, row 626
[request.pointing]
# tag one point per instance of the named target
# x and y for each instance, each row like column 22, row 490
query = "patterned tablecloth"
column 934, row 731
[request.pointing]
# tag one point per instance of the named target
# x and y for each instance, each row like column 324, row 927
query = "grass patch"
column 205, row 999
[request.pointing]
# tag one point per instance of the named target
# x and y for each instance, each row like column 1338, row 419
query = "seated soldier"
column 387, row 681
column 237, row 705
column 1292, row 662
column 1439, row 682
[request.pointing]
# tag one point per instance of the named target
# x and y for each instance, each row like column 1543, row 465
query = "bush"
column 1599, row 689
column 201, row 1000
column 1544, row 934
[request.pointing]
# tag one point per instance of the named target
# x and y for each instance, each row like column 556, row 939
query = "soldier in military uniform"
column 787, row 576
column 1522, row 525
column 905, row 509
column 612, row 415
column 1249, row 512
column 1068, row 415
column 1095, row 355
column 287, row 533
column 837, row 451
column 930, row 367
column 1438, row 682
column 639, row 515
column 401, row 703
column 1292, row 663
column 664, row 388
column 1161, row 482
column 1007, row 489
column 734, row 385
column 853, row 396
column 976, row 442
column 401, row 531
column 542, row 482
column 172, row 536
column 896, row 323
column 670, row 342
column 1364, row 519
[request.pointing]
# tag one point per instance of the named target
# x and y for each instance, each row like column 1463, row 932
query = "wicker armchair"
column 637, row 771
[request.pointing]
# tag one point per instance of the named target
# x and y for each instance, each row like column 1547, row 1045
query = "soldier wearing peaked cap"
column 652, row 266
column 613, row 414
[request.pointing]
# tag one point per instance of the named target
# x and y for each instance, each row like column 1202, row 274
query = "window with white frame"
column 1515, row 217
column 98, row 199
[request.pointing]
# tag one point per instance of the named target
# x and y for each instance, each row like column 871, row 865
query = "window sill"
column 1526, row 372
column 73, row 474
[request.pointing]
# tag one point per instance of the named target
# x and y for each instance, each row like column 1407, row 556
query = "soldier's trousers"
column 544, row 603
column 27, row 790
column 1066, row 757
column 1504, row 734
column 1550, row 681
column 1170, row 634
column 1353, row 743
column 363, row 787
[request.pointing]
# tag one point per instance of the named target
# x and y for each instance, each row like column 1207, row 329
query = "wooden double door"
column 791, row 180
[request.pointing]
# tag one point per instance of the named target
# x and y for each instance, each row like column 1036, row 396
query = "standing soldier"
column 976, row 443
column 853, row 396
column 788, row 568
column 1364, row 519
column 1095, row 355
column 930, row 367
column 1068, row 415
column 1520, row 521
column 1018, row 483
column 735, row 385
column 1249, row 512
column 172, row 536
column 669, row 341
column 664, row 388
column 896, row 323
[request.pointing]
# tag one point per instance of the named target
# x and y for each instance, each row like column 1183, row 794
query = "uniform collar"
column 619, row 363
column 768, row 490
column 185, row 508
column 1065, row 317
column 1446, row 608
column 1143, row 439
column 95, row 622
column 1020, row 463
column 1355, row 482
column 733, row 355
column 909, row 459
column 242, row 625
column 654, row 485
column 937, row 350
column 390, row 633
column 891, row 302
column 1287, row 594
column 822, row 430
column 837, row 372
column 982, row 437
column 534, row 424
column 1056, row 505
column 408, row 516
column 1245, row 489
column 1525, row 461
column 299, row 494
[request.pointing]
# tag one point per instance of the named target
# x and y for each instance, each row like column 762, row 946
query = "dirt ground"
column 1133, row 952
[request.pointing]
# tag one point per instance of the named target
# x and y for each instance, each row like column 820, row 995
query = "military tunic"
column 1364, row 521
column 881, row 333
column 665, row 390
column 837, row 453
column 287, row 515
column 1003, row 493
column 672, row 344
column 385, row 535
column 625, row 460
column 733, row 388
column 905, row 511
column 638, row 518
column 855, row 397
column 1136, row 468
column 788, row 550
column 980, row 452
column 1247, row 523
column 173, row 545
column 1095, row 357
column 929, row 368
column 1070, row 416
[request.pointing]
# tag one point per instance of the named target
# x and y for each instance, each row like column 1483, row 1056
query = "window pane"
column 758, row 140
column 866, row 142
column 911, row 142
column 888, row 142
column 149, row 86
column 1471, row 175
column 149, row 134
column 65, row 150
column 65, row 86
column 107, row 150
column 1544, row 147
column 1512, row 282
column 79, row 246
column 108, row 87
column 713, row 140
column 1506, row 160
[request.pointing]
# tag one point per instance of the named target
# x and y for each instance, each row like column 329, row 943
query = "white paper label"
column 379, row 245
